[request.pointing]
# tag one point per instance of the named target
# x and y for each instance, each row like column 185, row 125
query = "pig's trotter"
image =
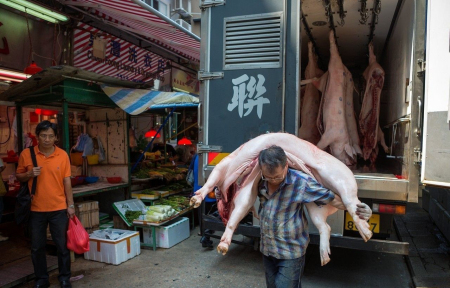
column 196, row 200
column 363, row 228
column 222, row 248
column 325, row 251
column 225, row 241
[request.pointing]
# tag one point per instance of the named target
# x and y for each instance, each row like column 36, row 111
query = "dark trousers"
column 58, row 222
column 1, row 205
column 284, row 273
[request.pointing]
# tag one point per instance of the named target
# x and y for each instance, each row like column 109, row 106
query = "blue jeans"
column 283, row 273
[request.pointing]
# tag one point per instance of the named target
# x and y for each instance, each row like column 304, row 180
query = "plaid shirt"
column 284, row 228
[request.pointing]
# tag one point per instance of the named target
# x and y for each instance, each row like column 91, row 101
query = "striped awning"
column 137, row 17
column 136, row 101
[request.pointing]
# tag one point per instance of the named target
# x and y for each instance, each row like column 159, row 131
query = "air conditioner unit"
column 183, row 7
column 183, row 24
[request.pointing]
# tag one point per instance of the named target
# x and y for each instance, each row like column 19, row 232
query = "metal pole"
column 65, row 126
column 19, row 127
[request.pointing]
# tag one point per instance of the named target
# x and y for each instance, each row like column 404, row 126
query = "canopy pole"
column 151, row 142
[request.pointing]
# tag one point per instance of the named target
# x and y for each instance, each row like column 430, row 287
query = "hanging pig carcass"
column 369, row 126
column 311, row 101
column 332, row 119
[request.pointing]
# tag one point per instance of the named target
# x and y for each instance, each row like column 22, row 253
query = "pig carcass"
column 350, row 118
column 311, row 101
column 369, row 126
column 236, row 199
column 331, row 120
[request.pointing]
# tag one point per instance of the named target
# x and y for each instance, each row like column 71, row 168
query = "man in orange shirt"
column 52, row 203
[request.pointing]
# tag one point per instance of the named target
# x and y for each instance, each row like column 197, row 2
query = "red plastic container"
column 114, row 180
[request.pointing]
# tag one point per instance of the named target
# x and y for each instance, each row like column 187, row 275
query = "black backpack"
column 23, row 200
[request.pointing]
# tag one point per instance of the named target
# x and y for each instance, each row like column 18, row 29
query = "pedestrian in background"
column 51, row 205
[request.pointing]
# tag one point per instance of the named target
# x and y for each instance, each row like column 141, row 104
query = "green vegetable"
column 132, row 215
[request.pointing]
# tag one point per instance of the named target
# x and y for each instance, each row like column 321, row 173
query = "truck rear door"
column 243, row 92
column 435, row 128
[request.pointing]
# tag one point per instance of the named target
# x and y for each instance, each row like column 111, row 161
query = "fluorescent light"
column 35, row 10
column 16, row 76
column 7, row 79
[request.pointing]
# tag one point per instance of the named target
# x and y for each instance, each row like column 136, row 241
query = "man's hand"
column 70, row 212
column 363, row 211
column 36, row 171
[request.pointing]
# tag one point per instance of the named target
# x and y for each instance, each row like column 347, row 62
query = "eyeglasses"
column 50, row 137
column 271, row 179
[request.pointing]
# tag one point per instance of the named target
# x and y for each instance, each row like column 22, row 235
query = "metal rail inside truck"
column 253, row 58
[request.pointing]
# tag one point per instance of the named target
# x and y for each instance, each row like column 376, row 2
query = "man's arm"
column 69, row 197
column 337, row 202
column 362, row 210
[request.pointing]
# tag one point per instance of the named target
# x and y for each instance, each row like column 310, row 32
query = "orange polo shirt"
column 50, row 195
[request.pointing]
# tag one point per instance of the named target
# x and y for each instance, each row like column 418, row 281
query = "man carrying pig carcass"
column 284, row 234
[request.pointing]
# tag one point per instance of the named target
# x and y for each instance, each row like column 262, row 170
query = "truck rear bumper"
column 384, row 246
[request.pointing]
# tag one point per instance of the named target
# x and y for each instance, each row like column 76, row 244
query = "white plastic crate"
column 116, row 251
column 169, row 234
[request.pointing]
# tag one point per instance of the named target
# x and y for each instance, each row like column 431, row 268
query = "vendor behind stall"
column 159, row 146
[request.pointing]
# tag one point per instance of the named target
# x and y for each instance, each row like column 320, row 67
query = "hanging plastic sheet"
column 136, row 101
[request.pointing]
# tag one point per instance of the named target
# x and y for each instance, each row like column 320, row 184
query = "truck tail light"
column 388, row 208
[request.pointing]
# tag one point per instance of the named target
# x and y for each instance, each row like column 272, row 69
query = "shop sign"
column 185, row 81
column 102, row 53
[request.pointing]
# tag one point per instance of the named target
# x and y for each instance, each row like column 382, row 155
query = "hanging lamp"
column 152, row 133
column 184, row 141
column 32, row 69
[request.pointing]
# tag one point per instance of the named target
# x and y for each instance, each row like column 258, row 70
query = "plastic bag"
column 77, row 237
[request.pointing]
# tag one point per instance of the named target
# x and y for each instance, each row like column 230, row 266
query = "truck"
column 253, row 57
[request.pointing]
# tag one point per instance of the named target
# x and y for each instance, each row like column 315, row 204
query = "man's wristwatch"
column 71, row 206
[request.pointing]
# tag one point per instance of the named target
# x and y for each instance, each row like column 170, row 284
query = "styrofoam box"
column 169, row 234
column 116, row 251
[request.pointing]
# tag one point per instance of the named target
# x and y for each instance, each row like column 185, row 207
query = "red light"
column 32, row 69
column 45, row 112
column 151, row 134
column 389, row 209
column 386, row 208
column 184, row 141
column 49, row 112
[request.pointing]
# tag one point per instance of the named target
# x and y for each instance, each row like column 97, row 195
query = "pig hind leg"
column 243, row 201
column 319, row 216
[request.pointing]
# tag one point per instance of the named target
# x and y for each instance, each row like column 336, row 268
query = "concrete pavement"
column 429, row 258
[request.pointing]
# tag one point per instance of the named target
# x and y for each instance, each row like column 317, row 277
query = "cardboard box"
column 88, row 214
column 169, row 234
column 116, row 251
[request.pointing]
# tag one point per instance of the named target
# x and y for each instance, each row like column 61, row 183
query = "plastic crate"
column 116, row 251
column 169, row 234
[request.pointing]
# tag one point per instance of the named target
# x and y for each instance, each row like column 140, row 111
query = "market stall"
column 157, row 174
column 69, row 97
